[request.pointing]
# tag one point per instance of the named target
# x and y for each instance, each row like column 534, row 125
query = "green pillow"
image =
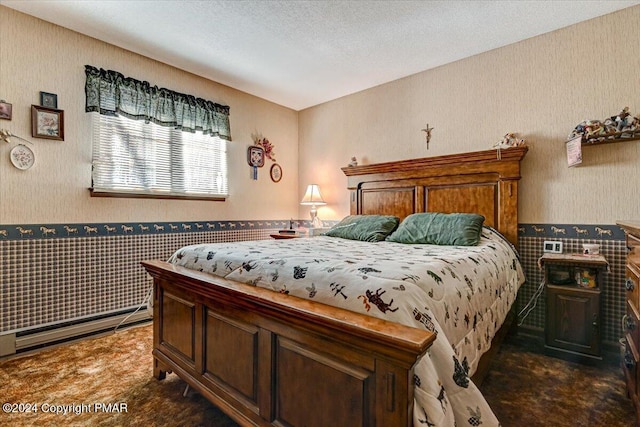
column 458, row 229
column 368, row 228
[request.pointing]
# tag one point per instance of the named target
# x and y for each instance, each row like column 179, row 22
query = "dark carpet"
column 107, row 381
column 526, row 388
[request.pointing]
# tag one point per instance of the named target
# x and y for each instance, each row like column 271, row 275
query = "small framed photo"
column 5, row 110
column 49, row 100
column 47, row 123
column 276, row 172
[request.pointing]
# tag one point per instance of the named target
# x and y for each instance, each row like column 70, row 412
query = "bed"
column 270, row 352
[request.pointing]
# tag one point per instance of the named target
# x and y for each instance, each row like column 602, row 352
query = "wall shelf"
column 608, row 139
column 574, row 150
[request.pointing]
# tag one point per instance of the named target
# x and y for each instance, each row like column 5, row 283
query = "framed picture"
column 255, row 156
column 49, row 100
column 47, row 123
column 5, row 110
column 276, row 172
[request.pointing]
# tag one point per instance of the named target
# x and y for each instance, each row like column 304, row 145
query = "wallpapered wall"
column 540, row 88
column 38, row 56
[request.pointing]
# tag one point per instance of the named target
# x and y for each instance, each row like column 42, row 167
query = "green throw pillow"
column 457, row 229
column 368, row 228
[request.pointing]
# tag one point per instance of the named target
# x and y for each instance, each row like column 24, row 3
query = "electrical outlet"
column 552, row 246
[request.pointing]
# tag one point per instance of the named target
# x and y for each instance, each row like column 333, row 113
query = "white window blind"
column 138, row 158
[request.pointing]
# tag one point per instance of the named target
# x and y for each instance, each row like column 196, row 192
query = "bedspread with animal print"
column 463, row 294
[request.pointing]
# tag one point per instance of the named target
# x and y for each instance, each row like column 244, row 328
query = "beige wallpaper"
column 540, row 88
column 38, row 56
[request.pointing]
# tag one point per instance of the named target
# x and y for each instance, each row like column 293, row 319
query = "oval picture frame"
column 275, row 172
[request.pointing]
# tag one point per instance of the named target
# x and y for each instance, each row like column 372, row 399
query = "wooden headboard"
column 475, row 182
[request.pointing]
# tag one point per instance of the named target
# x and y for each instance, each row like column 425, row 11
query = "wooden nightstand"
column 311, row 232
column 573, row 316
column 289, row 233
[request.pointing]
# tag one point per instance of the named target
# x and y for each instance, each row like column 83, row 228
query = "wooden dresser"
column 631, row 320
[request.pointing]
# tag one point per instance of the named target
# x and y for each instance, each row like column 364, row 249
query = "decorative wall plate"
column 22, row 157
column 276, row 172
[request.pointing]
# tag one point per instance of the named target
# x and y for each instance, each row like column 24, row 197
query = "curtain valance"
column 109, row 92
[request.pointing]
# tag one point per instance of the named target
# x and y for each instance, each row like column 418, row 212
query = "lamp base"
column 316, row 223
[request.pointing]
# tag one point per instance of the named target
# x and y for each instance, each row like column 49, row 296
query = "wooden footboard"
column 266, row 358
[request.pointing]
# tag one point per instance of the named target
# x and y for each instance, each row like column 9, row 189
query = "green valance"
column 110, row 93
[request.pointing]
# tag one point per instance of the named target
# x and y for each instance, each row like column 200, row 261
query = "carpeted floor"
column 524, row 388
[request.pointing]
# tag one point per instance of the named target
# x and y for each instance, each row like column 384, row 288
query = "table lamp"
column 313, row 197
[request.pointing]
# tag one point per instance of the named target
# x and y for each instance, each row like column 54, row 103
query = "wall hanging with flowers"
column 269, row 153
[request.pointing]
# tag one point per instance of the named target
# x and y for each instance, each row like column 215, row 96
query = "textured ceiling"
column 302, row 53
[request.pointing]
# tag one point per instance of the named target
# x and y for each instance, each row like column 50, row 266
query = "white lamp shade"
column 313, row 196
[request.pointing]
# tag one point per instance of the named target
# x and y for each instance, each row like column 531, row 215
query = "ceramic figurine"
column 509, row 140
column 623, row 119
column 622, row 125
column 353, row 162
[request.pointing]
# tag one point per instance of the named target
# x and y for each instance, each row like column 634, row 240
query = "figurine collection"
column 622, row 125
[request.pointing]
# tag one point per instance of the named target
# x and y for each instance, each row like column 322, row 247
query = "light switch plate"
column 552, row 246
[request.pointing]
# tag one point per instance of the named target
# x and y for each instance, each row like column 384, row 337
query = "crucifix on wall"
column 427, row 130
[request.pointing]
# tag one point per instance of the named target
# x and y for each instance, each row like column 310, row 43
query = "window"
column 154, row 142
column 137, row 158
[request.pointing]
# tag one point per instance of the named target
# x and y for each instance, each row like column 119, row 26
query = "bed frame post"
column 508, row 199
column 159, row 369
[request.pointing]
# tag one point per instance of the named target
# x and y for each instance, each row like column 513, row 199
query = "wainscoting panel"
column 57, row 273
column 54, row 273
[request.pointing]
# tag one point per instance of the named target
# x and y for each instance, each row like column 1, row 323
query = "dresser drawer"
column 630, row 365
column 631, row 327
column 632, row 285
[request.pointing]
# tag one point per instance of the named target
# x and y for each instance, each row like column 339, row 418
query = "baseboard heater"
column 16, row 342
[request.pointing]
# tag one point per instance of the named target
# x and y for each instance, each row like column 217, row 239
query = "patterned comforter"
column 463, row 294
